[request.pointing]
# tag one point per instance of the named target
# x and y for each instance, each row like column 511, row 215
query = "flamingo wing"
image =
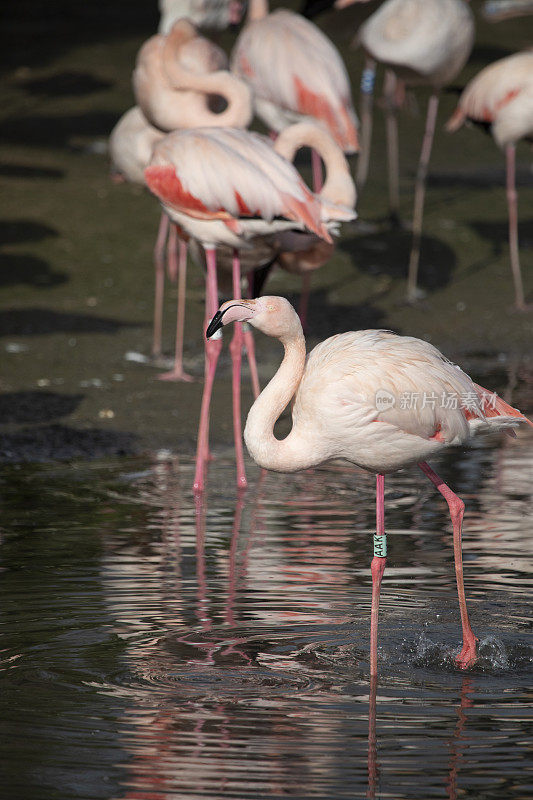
column 500, row 95
column 222, row 173
column 289, row 62
column 375, row 376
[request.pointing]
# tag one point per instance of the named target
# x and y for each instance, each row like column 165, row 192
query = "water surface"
column 156, row 648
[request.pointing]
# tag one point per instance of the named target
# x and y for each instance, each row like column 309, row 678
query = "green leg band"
column 380, row 546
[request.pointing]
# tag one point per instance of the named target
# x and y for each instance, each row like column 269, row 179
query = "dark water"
column 156, row 649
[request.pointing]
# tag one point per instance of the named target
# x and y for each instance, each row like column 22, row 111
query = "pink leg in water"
column 457, row 509
column 159, row 269
column 178, row 373
column 236, row 359
column 377, row 568
column 317, row 172
column 212, row 352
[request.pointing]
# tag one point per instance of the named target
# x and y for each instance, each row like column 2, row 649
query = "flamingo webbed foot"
column 468, row 655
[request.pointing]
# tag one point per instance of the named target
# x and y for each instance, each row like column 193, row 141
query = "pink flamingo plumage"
column 227, row 186
column 175, row 79
column 295, row 71
column 501, row 97
column 348, row 403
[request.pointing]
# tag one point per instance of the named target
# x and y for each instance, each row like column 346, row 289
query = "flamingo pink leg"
column 457, row 509
column 178, row 373
column 377, row 569
column 159, row 268
column 213, row 347
column 236, row 358
column 510, row 156
column 420, row 191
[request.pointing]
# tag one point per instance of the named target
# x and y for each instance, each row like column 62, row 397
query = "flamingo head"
column 272, row 315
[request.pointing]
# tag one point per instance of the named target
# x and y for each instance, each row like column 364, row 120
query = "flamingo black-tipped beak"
column 215, row 325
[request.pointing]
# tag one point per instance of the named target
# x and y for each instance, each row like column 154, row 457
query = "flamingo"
column 349, row 403
column 301, row 253
column 175, row 77
column 500, row 97
column 295, row 71
column 422, row 42
column 214, row 15
column 228, row 186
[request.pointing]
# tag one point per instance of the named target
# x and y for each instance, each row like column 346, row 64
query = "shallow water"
column 154, row 648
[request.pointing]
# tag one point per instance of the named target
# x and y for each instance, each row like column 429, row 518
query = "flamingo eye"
column 270, row 308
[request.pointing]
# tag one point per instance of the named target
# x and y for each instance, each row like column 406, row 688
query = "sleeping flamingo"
column 175, row 80
column 353, row 399
column 227, row 186
column 500, row 97
column 295, row 71
column 422, row 43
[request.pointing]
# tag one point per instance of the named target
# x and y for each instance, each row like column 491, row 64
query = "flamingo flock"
column 235, row 200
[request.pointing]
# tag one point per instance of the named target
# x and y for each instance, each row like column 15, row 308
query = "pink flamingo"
column 175, row 80
column 226, row 187
column 213, row 15
column 348, row 402
column 176, row 77
column 501, row 97
column 422, row 43
column 302, row 253
column 295, row 71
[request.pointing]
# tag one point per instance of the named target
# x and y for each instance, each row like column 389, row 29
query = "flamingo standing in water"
column 422, row 43
column 500, row 97
column 227, row 186
column 353, row 400
column 176, row 78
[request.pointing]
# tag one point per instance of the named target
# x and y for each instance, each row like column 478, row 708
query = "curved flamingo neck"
column 338, row 186
column 257, row 9
column 292, row 453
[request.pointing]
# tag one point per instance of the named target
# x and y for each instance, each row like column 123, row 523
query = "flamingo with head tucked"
column 348, row 403
column 176, row 77
column 227, row 186
column 500, row 97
